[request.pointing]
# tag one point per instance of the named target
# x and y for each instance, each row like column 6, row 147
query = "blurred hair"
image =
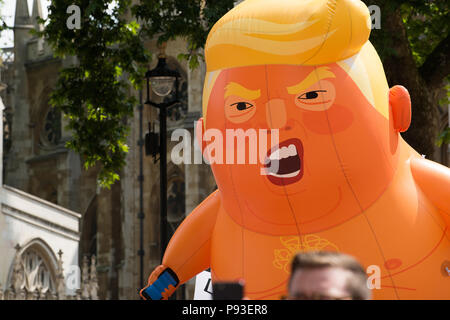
column 356, row 285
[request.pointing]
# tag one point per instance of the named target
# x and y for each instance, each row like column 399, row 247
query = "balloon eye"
column 242, row 105
column 311, row 94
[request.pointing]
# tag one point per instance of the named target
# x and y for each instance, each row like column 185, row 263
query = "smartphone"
column 228, row 291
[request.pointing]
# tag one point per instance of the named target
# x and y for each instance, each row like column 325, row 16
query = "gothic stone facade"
column 37, row 162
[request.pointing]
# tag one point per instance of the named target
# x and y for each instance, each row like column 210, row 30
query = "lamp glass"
column 162, row 86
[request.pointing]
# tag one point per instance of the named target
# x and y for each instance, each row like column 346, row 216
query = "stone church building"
column 37, row 162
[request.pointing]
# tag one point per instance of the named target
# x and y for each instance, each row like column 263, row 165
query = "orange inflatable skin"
column 346, row 181
column 381, row 201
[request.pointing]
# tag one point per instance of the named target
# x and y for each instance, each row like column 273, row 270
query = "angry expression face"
column 332, row 157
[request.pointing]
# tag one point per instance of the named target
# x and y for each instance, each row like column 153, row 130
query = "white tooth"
column 284, row 152
column 292, row 150
column 275, row 155
column 287, row 175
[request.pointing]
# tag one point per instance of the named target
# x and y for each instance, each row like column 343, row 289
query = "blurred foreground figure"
column 325, row 275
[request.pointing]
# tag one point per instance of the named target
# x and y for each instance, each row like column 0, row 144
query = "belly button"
column 393, row 264
column 445, row 268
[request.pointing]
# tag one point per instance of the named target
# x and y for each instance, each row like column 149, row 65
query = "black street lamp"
column 162, row 81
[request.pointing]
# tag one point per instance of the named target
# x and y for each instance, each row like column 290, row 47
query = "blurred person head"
column 323, row 275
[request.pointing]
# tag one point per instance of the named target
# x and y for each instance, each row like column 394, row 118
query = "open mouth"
column 284, row 162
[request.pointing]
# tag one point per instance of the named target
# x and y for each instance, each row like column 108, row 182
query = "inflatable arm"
column 434, row 180
column 188, row 252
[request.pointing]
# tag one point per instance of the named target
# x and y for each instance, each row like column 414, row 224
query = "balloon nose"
column 276, row 113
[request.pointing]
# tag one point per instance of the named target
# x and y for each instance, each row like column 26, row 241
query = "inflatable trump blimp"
column 340, row 177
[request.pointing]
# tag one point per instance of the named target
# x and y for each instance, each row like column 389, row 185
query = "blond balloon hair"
column 298, row 32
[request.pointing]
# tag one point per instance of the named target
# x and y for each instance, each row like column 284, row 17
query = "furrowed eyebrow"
column 235, row 89
column 312, row 78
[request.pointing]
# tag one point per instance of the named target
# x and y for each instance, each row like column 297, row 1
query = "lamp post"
column 162, row 81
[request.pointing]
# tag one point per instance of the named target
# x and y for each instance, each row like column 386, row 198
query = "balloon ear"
column 400, row 103
column 199, row 128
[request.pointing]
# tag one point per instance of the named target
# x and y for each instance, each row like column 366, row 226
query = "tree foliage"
column 94, row 93
column 191, row 20
column 413, row 44
column 427, row 25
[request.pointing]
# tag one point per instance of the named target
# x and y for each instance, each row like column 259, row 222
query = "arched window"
column 50, row 134
column 34, row 268
column 37, row 274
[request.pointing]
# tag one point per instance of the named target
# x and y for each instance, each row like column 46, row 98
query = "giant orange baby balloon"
column 344, row 178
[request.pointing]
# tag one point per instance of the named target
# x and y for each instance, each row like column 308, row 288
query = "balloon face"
column 333, row 157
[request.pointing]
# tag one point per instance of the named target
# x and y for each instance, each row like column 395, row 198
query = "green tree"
column 413, row 44
column 191, row 20
column 94, row 93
